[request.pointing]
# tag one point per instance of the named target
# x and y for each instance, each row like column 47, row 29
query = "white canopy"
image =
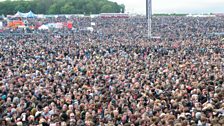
column 90, row 29
column 1, row 25
column 43, row 27
column 19, row 14
column 30, row 14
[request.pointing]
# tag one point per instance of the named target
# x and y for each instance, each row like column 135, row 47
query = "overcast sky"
column 175, row 6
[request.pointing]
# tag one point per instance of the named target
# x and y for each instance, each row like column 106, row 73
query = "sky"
column 174, row 6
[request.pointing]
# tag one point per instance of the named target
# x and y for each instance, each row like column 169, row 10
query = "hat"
column 7, row 119
column 3, row 97
column 15, row 100
column 13, row 110
column 198, row 115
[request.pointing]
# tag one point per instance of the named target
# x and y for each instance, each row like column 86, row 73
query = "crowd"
column 114, row 76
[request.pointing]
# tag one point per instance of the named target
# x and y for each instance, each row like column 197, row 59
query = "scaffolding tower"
column 149, row 17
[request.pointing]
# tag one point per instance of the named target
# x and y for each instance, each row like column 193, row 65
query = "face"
column 93, row 113
column 124, row 118
column 72, row 116
column 8, row 100
column 70, row 107
column 64, row 107
column 46, row 109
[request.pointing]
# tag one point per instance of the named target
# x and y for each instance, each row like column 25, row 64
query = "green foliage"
column 106, row 8
column 61, row 6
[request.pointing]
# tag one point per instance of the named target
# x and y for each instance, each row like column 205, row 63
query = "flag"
column 93, row 23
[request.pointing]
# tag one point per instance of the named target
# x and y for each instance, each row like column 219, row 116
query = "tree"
column 106, row 8
column 122, row 7
column 20, row 7
column 67, row 9
column 90, row 8
column 53, row 9
column 61, row 6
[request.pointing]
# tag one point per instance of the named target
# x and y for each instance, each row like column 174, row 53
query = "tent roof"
column 43, row 27
column 19, row 14
column 30, row 14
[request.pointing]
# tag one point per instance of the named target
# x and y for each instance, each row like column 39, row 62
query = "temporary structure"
column 19, row 14
column 15, row 23
column 43, row 27
column 30, row 14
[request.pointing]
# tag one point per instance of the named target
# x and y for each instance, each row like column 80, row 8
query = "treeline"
column 61, row 6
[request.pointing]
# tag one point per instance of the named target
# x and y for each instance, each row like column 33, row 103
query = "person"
column 114, row 77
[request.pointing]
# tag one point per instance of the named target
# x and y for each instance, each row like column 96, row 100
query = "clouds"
column 175, row 6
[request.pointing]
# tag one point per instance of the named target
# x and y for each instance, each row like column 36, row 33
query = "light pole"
column 149, row 17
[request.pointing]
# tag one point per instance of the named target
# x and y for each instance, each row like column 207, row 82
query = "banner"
column 93, row 23
column 1, row 25
column 69, row 25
